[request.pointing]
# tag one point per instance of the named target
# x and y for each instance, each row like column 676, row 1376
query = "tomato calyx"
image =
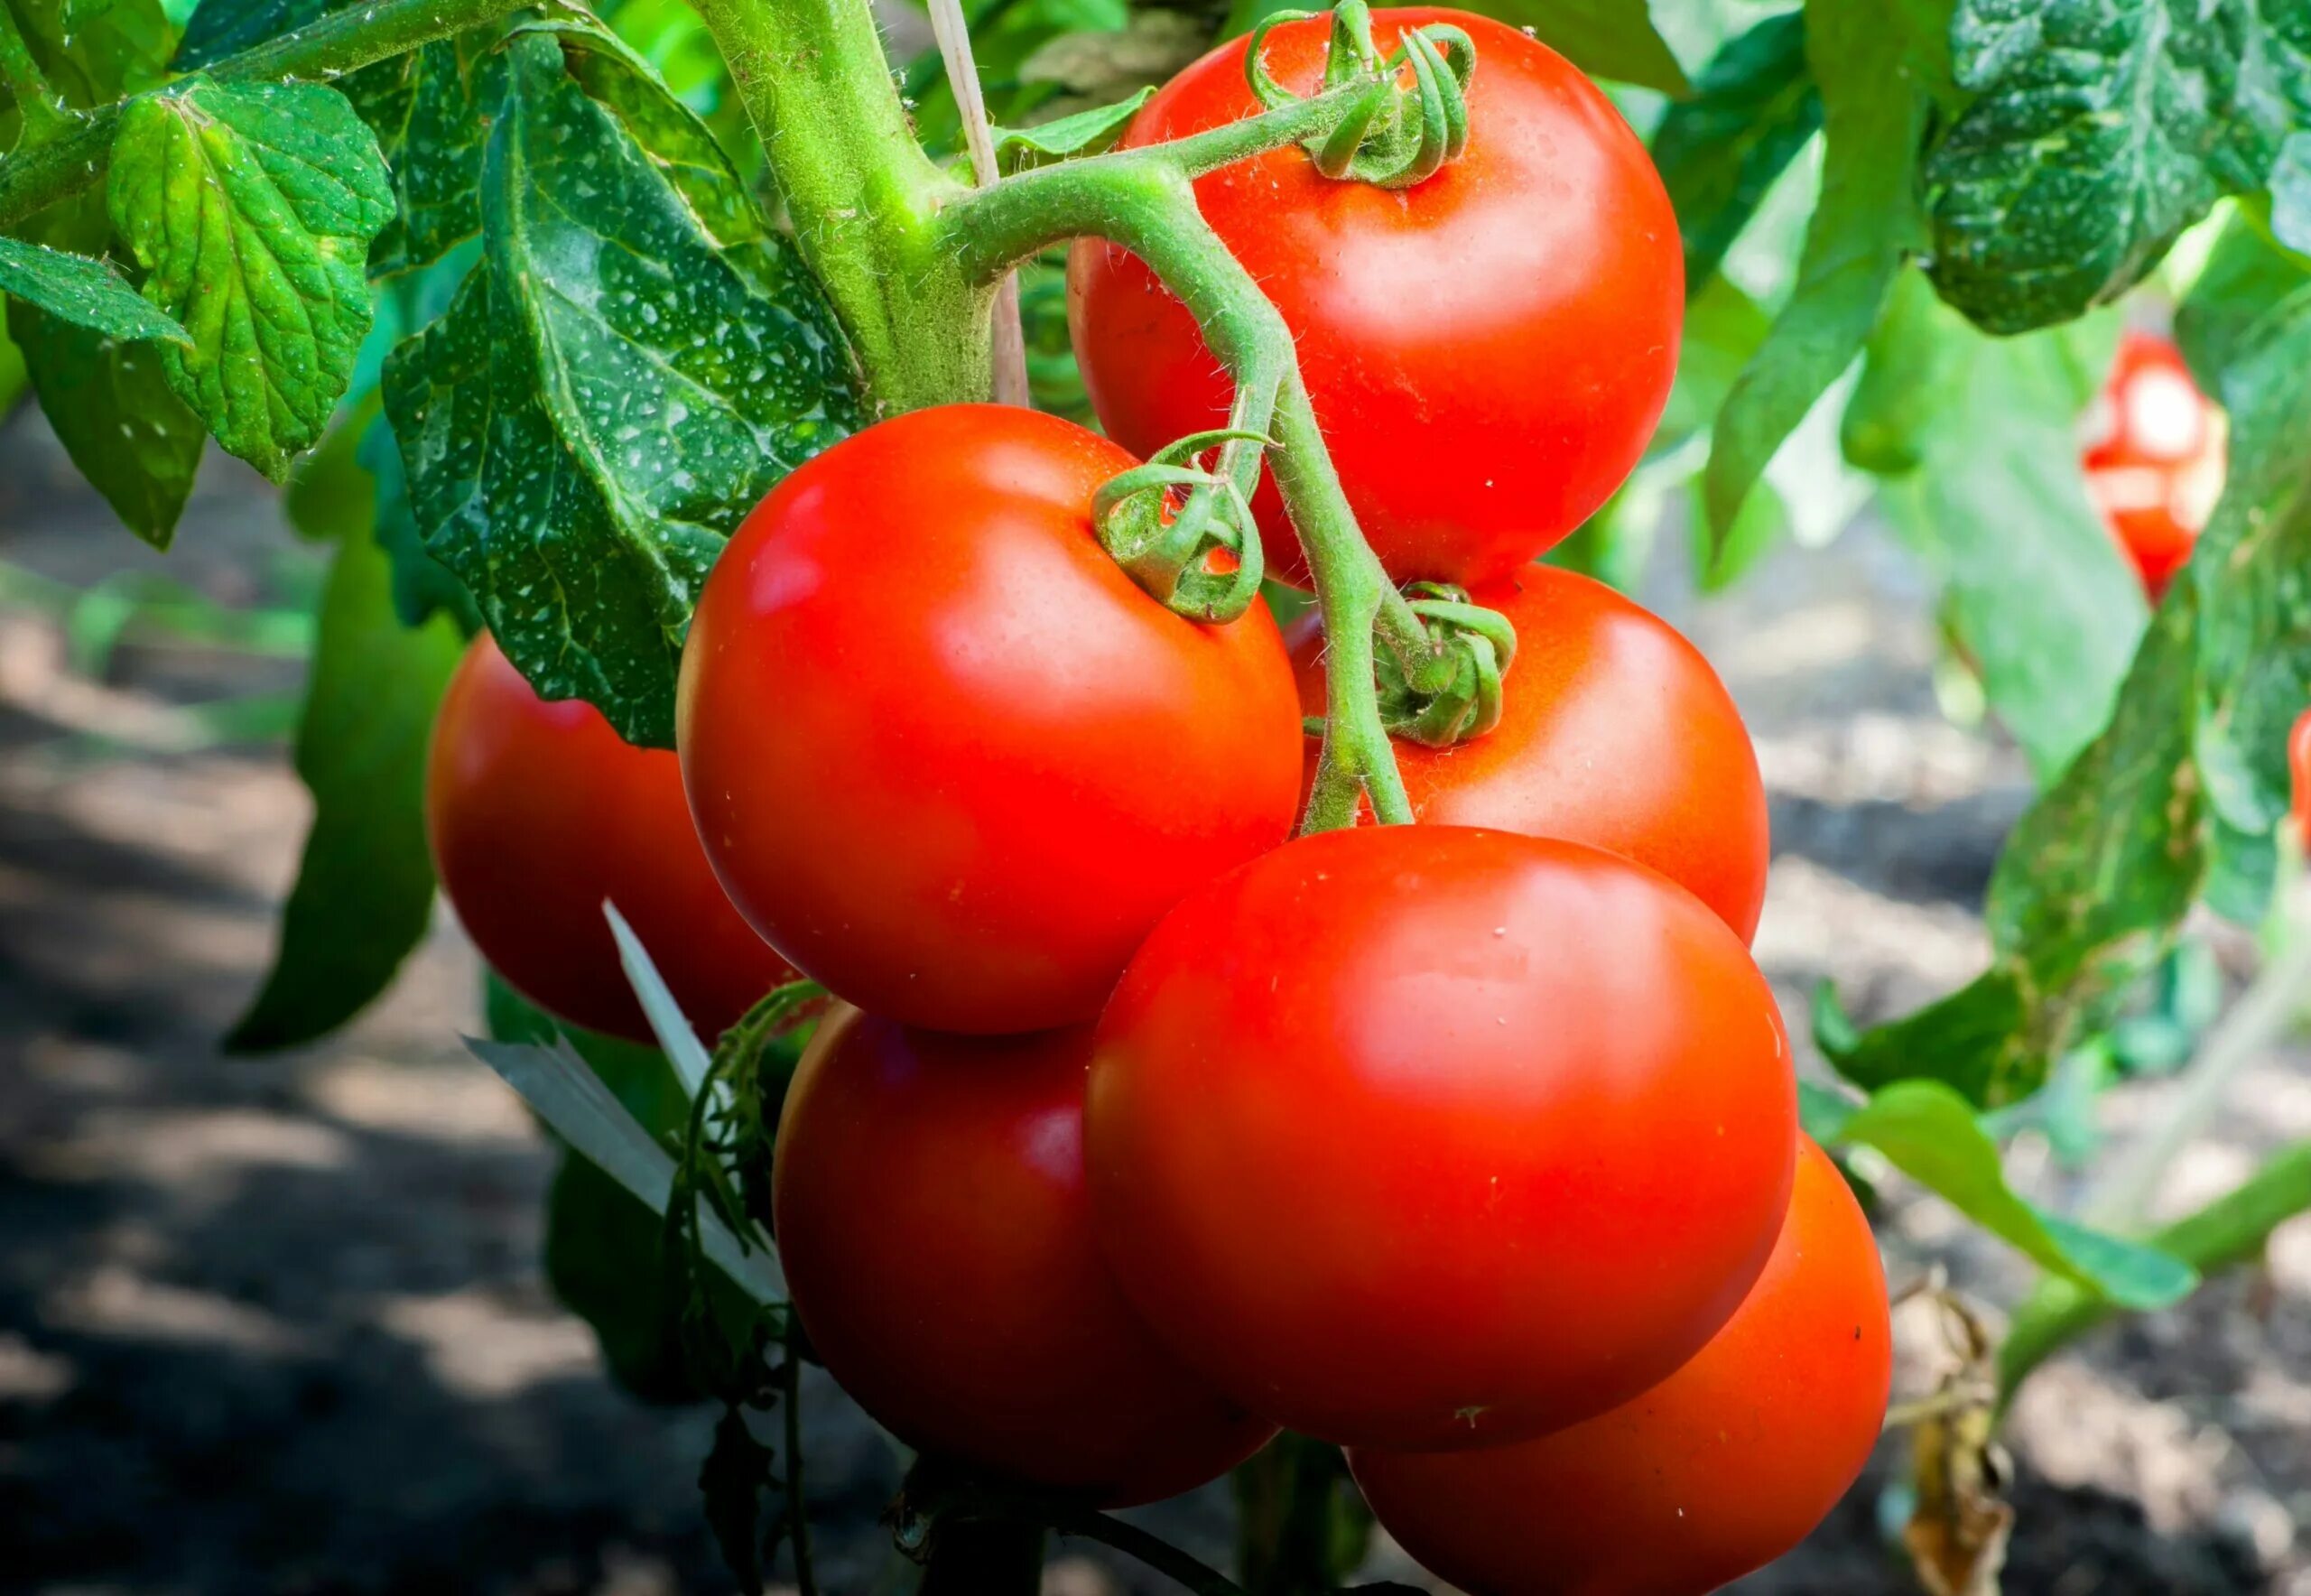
column 1185, row 533
column 1456, row 694
column 1398, row 133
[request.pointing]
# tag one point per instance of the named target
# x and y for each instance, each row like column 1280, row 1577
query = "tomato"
column 2301, row 749
column 941, row 751
column 929, row 1200
column 2154, row 457
column 1427, row 1137
column 1487, row 350
column 1614, row 732
column 1717, row 1471
column 537, row 812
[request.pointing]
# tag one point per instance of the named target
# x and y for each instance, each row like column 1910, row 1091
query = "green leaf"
column 86, row 292
column 606, row 398
column 2092, row 884
column 1604, row 38
column 1751, row 112
column 252, row 207
column 1086, row 133
column 1877, row 65
column 220, row 28
column 1725, row 329
column 2229, row 1231
column 365, row 887
column 422, row 586
column 2101, row 130
column 430, row 112
column 1929, row 1133
column 1991, row 497
column 94, row 51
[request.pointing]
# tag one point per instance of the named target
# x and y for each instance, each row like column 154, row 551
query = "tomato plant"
column 917, row 707
column 1039, row 1370
column 1617, row 734
column 1713, row 1473
column 2154, row 457
column 1363, row 1122
column 538, row 813
column 1517, row 313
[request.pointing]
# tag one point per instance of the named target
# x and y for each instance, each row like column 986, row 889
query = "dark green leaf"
column 113, row 409
column 422, row 586
column 1751, row 112
column 1876, row 62
column 1929, row 1133
column 364, row 889
column 94, row 51
column 220, row 28
column 2228, row 1231
column 429, row 110
column 252, row 207
column 1992, row 498
column 1604, row 38
column 2101, row 129
column 607, row 395
column 86, row 292
column 1086, row 133
column 2290, row 182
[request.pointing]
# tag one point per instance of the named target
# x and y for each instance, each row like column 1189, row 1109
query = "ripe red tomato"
column 1614, row 732
column 2154, row 457
column 2301, row 749
column 1717, row 1471
column 1428, row 1136
column 929, row 1202
column 538, row 812
column 1487, row 350
column 943, row 752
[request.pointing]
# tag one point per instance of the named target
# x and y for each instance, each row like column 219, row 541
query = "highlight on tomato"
column 1430, row 1136
column 929, row 1200
column 1720, row 1468
column 2154, row 456
column 1614, row 731
column 2300, row 750
column 537, row 812
column 1487, row 350
column 941, row 751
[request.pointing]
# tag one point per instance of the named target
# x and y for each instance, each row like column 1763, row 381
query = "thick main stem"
column 864, row 199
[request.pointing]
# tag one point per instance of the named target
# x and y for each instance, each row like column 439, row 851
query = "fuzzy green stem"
column 38, row 176
column 1144, row 199
column 864, row 199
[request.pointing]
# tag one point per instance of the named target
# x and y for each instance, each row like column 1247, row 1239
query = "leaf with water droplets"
column 86, row 292
column 250, row 207
column 616, row 385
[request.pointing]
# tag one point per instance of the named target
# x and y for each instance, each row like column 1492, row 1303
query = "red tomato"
column 2154, row 457
column 538, row 812
column 929, row 1202
column 939, row 748
column 1487, row 350
column 1428, row 1136
column 1614, row 732
column 2301, row 749
column 1717, row 1471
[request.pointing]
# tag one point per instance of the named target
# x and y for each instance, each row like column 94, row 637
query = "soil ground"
column 277, row 1325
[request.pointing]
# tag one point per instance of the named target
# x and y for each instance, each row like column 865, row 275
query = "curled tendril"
column 1482, row 646
column 1399, row 133
column 1166, row 542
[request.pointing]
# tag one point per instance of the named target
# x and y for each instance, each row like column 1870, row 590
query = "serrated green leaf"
column 252, row 207
column 1086, row 133
column 1752, row 110
column 605, row 400
column 2101, row 130
column 1876, row 64
column 1604, row 38
column 1992, row 498
column 86, row 292
column 423, row 587
column 1931, row 1135
column 430, row 112
column 2093, row 882
column 364, row 887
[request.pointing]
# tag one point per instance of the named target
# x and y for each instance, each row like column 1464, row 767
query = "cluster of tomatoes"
column 1469, row 1145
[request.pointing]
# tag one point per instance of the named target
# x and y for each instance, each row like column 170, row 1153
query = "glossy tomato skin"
column 1487, row 351
column 538, row 812
column 1614, row 731
column 1714, row 1473
column 1430, row 1136
column 2154, row 457
column 931, row 1212
column 941, row 751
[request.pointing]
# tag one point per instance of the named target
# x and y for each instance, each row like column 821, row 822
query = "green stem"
column 34, row 178
column 44, row 113
column 1290, row 1534
column 798, row 1510
column 1157, row 1552
column 864, row 199
column 1144, row 199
